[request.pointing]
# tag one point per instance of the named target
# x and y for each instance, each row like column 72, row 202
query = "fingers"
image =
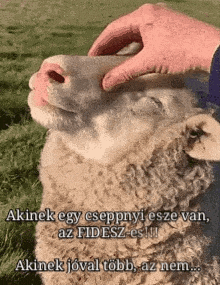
column 131, row 68
column 124, row 30
column 117, row 35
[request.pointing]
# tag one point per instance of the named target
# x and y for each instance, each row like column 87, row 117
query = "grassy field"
column 30, row 31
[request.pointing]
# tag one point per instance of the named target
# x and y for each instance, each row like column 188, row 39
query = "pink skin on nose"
column 41, row 82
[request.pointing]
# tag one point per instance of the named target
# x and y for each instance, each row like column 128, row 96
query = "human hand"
column 172, row 42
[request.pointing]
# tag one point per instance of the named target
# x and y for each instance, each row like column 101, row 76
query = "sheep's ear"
column 204, row 137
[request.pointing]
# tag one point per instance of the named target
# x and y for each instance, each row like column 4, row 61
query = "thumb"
column 130, row 69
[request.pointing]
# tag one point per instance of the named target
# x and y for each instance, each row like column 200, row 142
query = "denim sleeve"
column 211, row 200
column 214, row 80
column 208, row 95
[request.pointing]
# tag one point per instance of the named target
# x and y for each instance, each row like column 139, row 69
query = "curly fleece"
column 169, row 181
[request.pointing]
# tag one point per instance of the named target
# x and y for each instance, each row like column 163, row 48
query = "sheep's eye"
column 158, row 103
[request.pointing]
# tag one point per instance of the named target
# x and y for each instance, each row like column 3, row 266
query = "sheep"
column 144, row 147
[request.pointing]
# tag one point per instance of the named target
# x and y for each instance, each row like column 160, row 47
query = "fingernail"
column 108, row 83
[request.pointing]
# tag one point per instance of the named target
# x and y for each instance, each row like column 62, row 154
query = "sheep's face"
column 67, row 91
column 67, row 96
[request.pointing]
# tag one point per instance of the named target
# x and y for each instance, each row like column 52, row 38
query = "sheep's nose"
column 56, row 76
column 48, row 73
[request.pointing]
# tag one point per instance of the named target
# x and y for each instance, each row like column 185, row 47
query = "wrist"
column 208, row 48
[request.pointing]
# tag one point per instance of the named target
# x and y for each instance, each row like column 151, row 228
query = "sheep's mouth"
column 59, row 107
column 50, row 106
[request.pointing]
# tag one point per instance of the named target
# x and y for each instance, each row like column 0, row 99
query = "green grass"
column 31, row 31
column 20, row 147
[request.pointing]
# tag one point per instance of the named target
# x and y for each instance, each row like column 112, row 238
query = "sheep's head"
column 67, row 97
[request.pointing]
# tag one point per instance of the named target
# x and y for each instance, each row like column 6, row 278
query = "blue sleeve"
column 214, row 80
column 211, row 200
column 208, row 92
